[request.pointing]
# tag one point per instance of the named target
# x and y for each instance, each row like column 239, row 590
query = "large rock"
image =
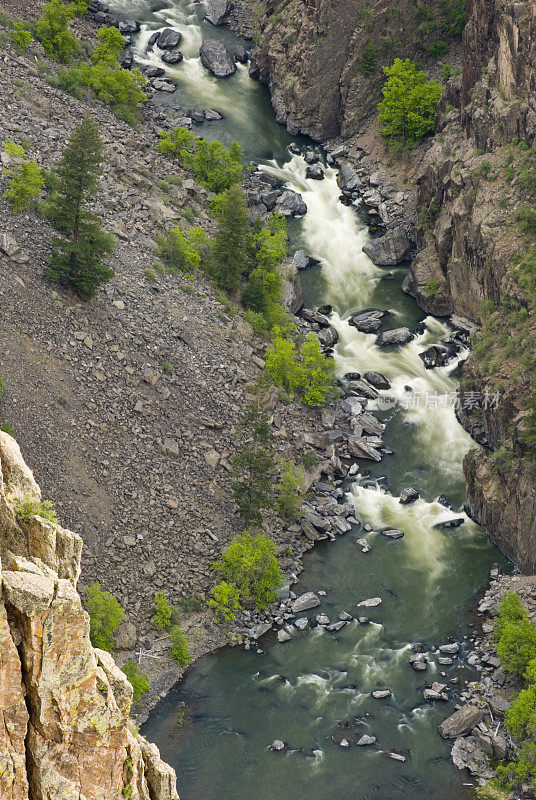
column 168, row 39
column 467, row 754
column 291, row 204
column 217, row 58
column 217, row 11
column 388, row 250
column 304, row 602
column 368, row 321
column 398, row 336
column 461, row 722
column 377, row 380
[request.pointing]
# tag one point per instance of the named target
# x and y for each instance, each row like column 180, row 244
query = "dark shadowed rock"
column 168, row 39
column 172, row 58
column 210, row 115
column 377, row 380
column 368, row 321
column 216, row 58
column 153, row 39
column 315, row 172
column 291, row 204
column 241, row 54
column 155, row 72
column 217, row 10
column 388, row 250
column 408, row 496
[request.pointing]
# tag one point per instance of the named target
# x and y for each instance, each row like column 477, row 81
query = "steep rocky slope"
column 322, row 58
column 64, row 726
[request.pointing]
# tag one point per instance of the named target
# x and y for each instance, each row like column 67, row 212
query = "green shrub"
column 28, row 508
column 407, row 111
column 162, row 611
column 25, row 181
column 105, row 616
column 181, row 250
column 526, row 216
column 510, row 611
column 214, row 166
column 438, row 49
column 20, row 37
column 523, row 769
column 225, row 601
column 250, row 563
column 517, row 645
column 527, row 181
column 289, row 495
column 51, row 30
column 138, row 681
column 308, row 374
column 180, row 649
column 521, row 716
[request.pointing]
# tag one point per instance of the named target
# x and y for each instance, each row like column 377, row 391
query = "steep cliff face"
column 477, row 258
column 64, row 725
column 322, row 58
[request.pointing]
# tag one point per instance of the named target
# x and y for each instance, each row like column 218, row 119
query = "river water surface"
column 314, row 691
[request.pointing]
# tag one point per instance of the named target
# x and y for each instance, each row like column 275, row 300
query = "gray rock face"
column 216, row 58
column 461, row 722
column 302, row 623
column 304, row 602
column 347, row 179
column 168, row 39
column 398, row 336
column 290, row 204
column 359, row 448
column 388, row 250
column 217, row 10
column 363, row 389
column 259, row 630
column 368, row 321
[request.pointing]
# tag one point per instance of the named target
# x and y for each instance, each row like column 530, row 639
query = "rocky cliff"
column 322, row 58
column 475, row 194
column 64, row 705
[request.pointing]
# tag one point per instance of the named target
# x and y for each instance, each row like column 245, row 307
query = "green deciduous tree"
column 25, row 181
column 250, row 563
column 162, row 611
column 78, row 257
column 510, row 611
column 225, row 600
column 230, row 252
column 138, row 681
column 181, row 250
column 407, row 111
column 20, row 37
column 521, row 716
column 262, row 292
column 307, row 373
column 105, row 616
column 215, row 167
column 51, row 30
column 180, row 649
column 517, row 645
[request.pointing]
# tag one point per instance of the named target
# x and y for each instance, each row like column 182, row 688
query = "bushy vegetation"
column 225, row 600
column 167, row 618
column 180, row 648
column 51, row 29
column 250, row 564
column 215, row 167
column 78, row 256
column 181, row 250
column 515, row 637
column 138, row 681
column 407, row 111
column 117, row 87
column 29, row 507
column 229, row 252
column 162, row 611
column 301, row 371
column 289, row 493
column 105, row 615
column 20, row 37
column 24, row 181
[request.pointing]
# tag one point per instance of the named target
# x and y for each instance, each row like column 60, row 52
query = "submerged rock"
column 217, row 58
column 392, row 533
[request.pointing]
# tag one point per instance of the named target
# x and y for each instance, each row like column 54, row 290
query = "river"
column 314, row 691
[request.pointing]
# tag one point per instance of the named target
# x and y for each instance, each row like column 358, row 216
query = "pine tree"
column 231, row 247
column 78, row 258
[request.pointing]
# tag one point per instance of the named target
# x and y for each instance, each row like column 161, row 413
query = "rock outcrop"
column 64, row 721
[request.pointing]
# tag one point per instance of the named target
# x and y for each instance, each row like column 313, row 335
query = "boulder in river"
column 241, row 54
column 366, row 739
column 155, row 72
column 302, row 623
column 168, row 39
column 315, row 172
column 368, row 321
column 392, row 533
column 362, row 389
column 377, row 380
column 370, row 602
column 217, row 11
column 388, row 250
column 277, row 744
column 408, row 496
column 359, row 448
column 348, row 179
column 397, row 336
column 452, row 648
column 163, row 86
column 461, row 722
column 435, row 356
column 290, row 204
column 379, row 694
column 283, row 636
column 304, row 602
column 216, row 58
column 328, row 337
column 211, row 115
column 172, row 57
column 450, row 523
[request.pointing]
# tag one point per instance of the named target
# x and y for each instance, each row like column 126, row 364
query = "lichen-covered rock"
column 64, row 726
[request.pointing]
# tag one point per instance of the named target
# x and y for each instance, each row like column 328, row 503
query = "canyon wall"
column 64, row 721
